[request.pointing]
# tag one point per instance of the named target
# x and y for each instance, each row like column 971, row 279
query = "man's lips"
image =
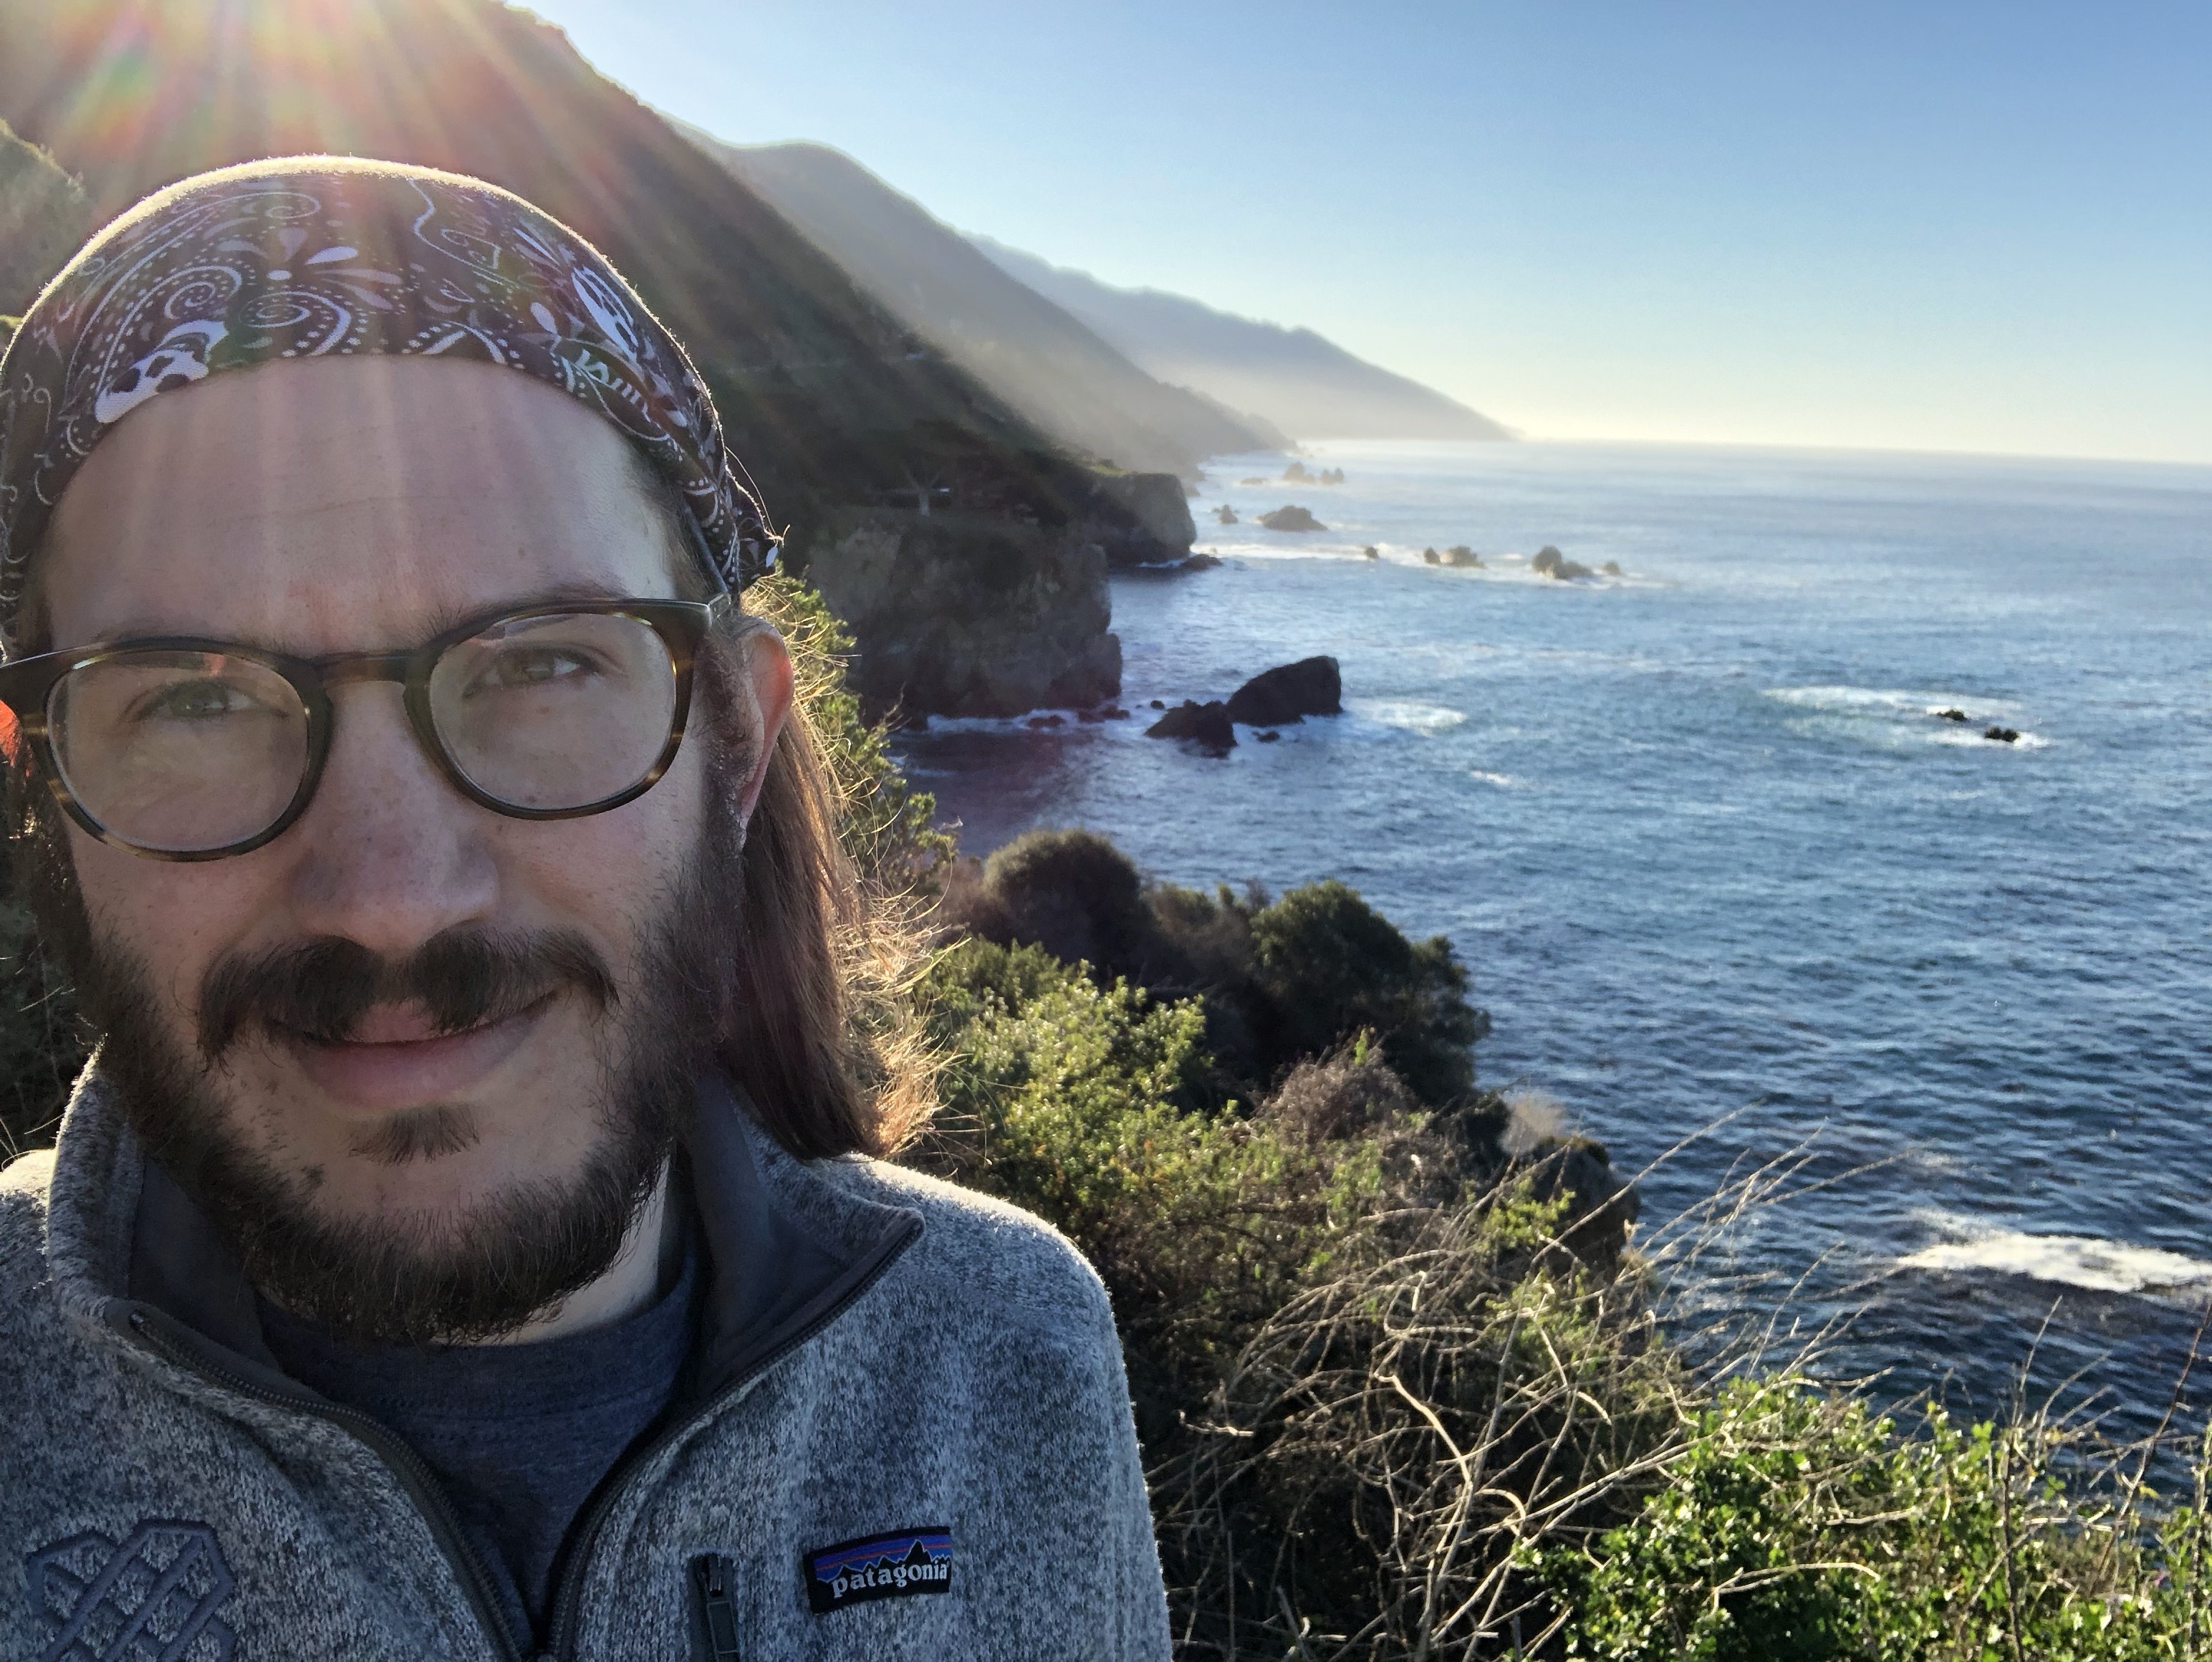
column 396, row 1058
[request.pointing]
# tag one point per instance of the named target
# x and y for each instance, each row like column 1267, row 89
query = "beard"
column 416, row 1278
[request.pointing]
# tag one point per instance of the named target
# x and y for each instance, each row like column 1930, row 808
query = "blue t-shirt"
column 517, row 1435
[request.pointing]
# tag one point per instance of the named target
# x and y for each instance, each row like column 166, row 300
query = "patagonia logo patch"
column 894, row 1565
column 151, row 1597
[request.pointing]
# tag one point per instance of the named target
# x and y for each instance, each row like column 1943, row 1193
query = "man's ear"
column 764, row 682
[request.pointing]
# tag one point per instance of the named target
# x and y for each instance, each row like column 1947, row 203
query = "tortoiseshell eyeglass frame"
column 27, row 686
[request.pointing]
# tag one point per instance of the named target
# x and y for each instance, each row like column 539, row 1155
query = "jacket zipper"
column 422, row 1486
column 418, row 1481
column 714, row 1580
column 570, row 1592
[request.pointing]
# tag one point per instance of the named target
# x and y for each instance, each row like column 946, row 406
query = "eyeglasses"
column 179, row 748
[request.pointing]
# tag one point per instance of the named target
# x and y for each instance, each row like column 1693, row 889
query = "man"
column 466, row 1242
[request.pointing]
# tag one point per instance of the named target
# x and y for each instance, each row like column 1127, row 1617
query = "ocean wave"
column 1406, row 712
column 1502, row 780
column 1901, row 717
column 1897, row 700
column 2079, row 1261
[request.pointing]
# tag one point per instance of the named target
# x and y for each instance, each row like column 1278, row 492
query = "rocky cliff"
column 833, row 405
column 967, row 615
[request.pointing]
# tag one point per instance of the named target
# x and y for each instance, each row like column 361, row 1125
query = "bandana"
column 320, row 256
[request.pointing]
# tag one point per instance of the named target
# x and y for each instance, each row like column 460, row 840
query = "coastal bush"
column 1798, row 1525
column 1067, row 1097
column 1280, row 980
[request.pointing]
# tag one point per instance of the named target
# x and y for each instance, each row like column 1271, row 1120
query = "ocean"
column 1727, row 882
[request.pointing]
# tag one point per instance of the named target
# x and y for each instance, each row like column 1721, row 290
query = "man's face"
column 366, row 504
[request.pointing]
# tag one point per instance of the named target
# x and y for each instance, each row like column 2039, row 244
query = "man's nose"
column 389, row 853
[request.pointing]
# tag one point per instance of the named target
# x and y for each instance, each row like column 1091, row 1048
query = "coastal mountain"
column 1304, row 384
column 43, row 217
column 880, row 454
column 1041, row 362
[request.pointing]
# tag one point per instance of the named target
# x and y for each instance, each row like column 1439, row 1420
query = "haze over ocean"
column 1709, row 849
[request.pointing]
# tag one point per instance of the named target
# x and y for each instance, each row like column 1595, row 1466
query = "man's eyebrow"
column 445, row 618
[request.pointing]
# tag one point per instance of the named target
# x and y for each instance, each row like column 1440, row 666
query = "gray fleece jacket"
column 910, row 1437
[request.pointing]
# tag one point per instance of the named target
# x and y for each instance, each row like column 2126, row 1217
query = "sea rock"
column 1289, row 693
column 1046, row 721
column 1950, row 715
column 1224, row 514
column 1611, row 567
column 1297, row 473
column 1268, row 736
column 2001, row 735
column 1552, row 563
column 1156, row 705
column 1139, row 519
column 1602, row 1206
column 961, row 614
column 1292, row 519
column 1460, row 554
column 1207, row 724
column 1372, row 552
column 1430, row 556
column 1255, row 479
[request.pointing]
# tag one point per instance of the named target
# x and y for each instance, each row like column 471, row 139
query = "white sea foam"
column 2083, row 1261
column 1901, row 717
column 1406, row 712
column 1502, row 780
column 1881, row 700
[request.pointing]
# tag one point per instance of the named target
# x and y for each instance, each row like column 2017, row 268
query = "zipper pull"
column 714, row 1609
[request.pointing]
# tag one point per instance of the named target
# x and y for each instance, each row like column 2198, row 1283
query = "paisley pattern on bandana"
column 312, row 257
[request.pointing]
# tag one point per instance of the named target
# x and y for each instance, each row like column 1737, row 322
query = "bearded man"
column 470, row 1239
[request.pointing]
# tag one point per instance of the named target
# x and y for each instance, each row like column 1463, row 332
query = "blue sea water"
column 1716, row 865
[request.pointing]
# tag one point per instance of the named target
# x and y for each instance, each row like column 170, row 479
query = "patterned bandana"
column 309, row 256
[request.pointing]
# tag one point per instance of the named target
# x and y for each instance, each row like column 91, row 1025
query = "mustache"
column 460, row 978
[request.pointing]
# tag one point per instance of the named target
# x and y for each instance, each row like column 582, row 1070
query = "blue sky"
column 1951, row 224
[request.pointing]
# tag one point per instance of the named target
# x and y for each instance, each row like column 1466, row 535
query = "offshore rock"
column 1292, row 519
column 964, row 614
column 1549, row 563
column 1140, row 518
column 1289, row 693
column 1208, row 725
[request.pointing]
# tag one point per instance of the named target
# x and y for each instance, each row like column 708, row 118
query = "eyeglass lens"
column 189, row 752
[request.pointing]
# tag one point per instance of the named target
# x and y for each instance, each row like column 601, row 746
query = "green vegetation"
column 1403, row 1395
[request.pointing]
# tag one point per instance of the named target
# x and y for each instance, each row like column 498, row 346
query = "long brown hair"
column 820, row 1039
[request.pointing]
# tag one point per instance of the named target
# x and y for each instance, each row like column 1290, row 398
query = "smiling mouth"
column 395, row 1027
column 395, row 1058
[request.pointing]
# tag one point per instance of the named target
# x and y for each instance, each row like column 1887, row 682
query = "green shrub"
column 1797, row 1525
column 1279, row 980
column 1064, row 1097
column 1328, row 966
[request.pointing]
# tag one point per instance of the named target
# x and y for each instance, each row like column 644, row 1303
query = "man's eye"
column 534, row 667
column 196, row 701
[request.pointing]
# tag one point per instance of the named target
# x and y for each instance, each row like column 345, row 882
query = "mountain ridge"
column 1294, row 378
column 1028, row 350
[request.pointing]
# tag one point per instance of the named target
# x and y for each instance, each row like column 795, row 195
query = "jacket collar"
column 787, row 1245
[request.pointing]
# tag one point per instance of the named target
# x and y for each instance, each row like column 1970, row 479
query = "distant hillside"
column 43, row 217
column 1306, row 384
column 1029, row 351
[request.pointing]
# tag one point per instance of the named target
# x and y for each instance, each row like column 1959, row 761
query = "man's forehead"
column 341, row 502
